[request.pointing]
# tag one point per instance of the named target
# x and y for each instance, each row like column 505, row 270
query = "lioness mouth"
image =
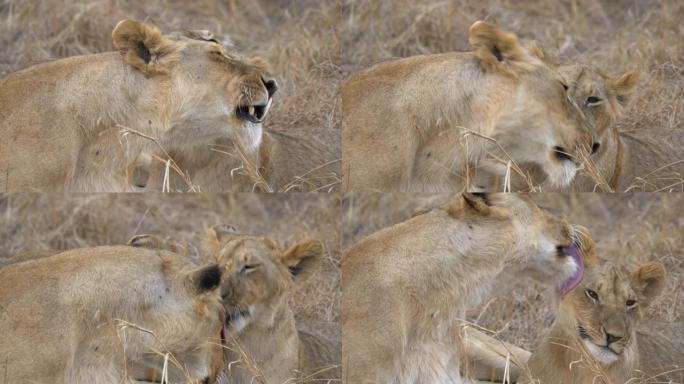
column 251, row 113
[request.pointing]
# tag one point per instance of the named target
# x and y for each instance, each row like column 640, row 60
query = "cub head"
column 602, row 100
column 605, row 308
column 265, row 275
column 540, row 128
column 545, row 247
column 204, row 90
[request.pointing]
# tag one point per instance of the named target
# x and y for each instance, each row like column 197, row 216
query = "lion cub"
column 598, row 336
column 109, row 315
column 260, row 324
column 407, row 287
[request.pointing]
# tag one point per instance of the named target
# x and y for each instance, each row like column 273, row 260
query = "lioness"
column 61, row 122
column 108, row 315
column 405, row 121
column 406, row 287
column 598, row 336
column 260, row 324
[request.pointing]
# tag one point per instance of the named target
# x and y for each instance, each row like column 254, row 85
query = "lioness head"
column 604, row 309
column 265, row 275
column 542, row 129
column 546, row 247
column 204, row 90
column 192, row 306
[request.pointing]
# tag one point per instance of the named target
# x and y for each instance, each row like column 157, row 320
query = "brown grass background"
column 629, row 228
column 616, row 36
column 40, row 222
column 297, row 37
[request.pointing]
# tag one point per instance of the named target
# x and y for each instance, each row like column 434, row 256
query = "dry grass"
column 616, row 36
column 32, row 223
column 295, row 37
column 628, row 228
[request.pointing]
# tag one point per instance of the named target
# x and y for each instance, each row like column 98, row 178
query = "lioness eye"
column 630, row 303
column 592, row 295
column 593, row 100
column 565, row 86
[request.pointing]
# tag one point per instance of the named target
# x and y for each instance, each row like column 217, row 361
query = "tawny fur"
column 265, row 330
column 405, row 122
column 61, row 122
column 407, row 287
column 61, row 317
column 644, row 350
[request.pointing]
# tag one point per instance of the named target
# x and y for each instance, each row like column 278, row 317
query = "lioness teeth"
column 251, row 111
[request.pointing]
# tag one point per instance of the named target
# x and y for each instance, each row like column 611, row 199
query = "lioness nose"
column 612, row 338
column 595, row 147
column 271, row 86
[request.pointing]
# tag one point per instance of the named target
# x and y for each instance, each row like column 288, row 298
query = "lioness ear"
column 146, row 241
column 496, row 47
column 648, row 281
column 206, row 278
column 144, row 48
column 303, row 259
column 217, row 236
column 623, row 86
column 586, row 244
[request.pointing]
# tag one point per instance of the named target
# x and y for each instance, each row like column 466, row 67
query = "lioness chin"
column 406, row 287
column 84, row 123
column 425, row 123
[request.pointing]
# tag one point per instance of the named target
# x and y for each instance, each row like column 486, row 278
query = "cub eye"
column 593, row 100
column 630, row 304
column 565, row 86
column 592, row 295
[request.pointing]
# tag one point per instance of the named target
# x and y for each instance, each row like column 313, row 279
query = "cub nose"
column 271, row 86
column 612, row 338
column 595, row 147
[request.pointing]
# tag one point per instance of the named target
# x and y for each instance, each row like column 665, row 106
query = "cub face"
column 264, row 275
column 609, row 303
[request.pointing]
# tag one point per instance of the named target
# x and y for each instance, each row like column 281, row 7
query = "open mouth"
column 570, row 284
column 252, row 113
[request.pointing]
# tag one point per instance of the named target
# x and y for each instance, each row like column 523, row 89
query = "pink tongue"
column 224, row 332
column 572, row 282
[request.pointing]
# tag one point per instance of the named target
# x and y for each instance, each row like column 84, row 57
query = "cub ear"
column 152, row 242
column 144, row 48
column 649, row 282
column 497, row 48
column 303, row 259
column 623, row 86
column 217, row 236
column 206, row 278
